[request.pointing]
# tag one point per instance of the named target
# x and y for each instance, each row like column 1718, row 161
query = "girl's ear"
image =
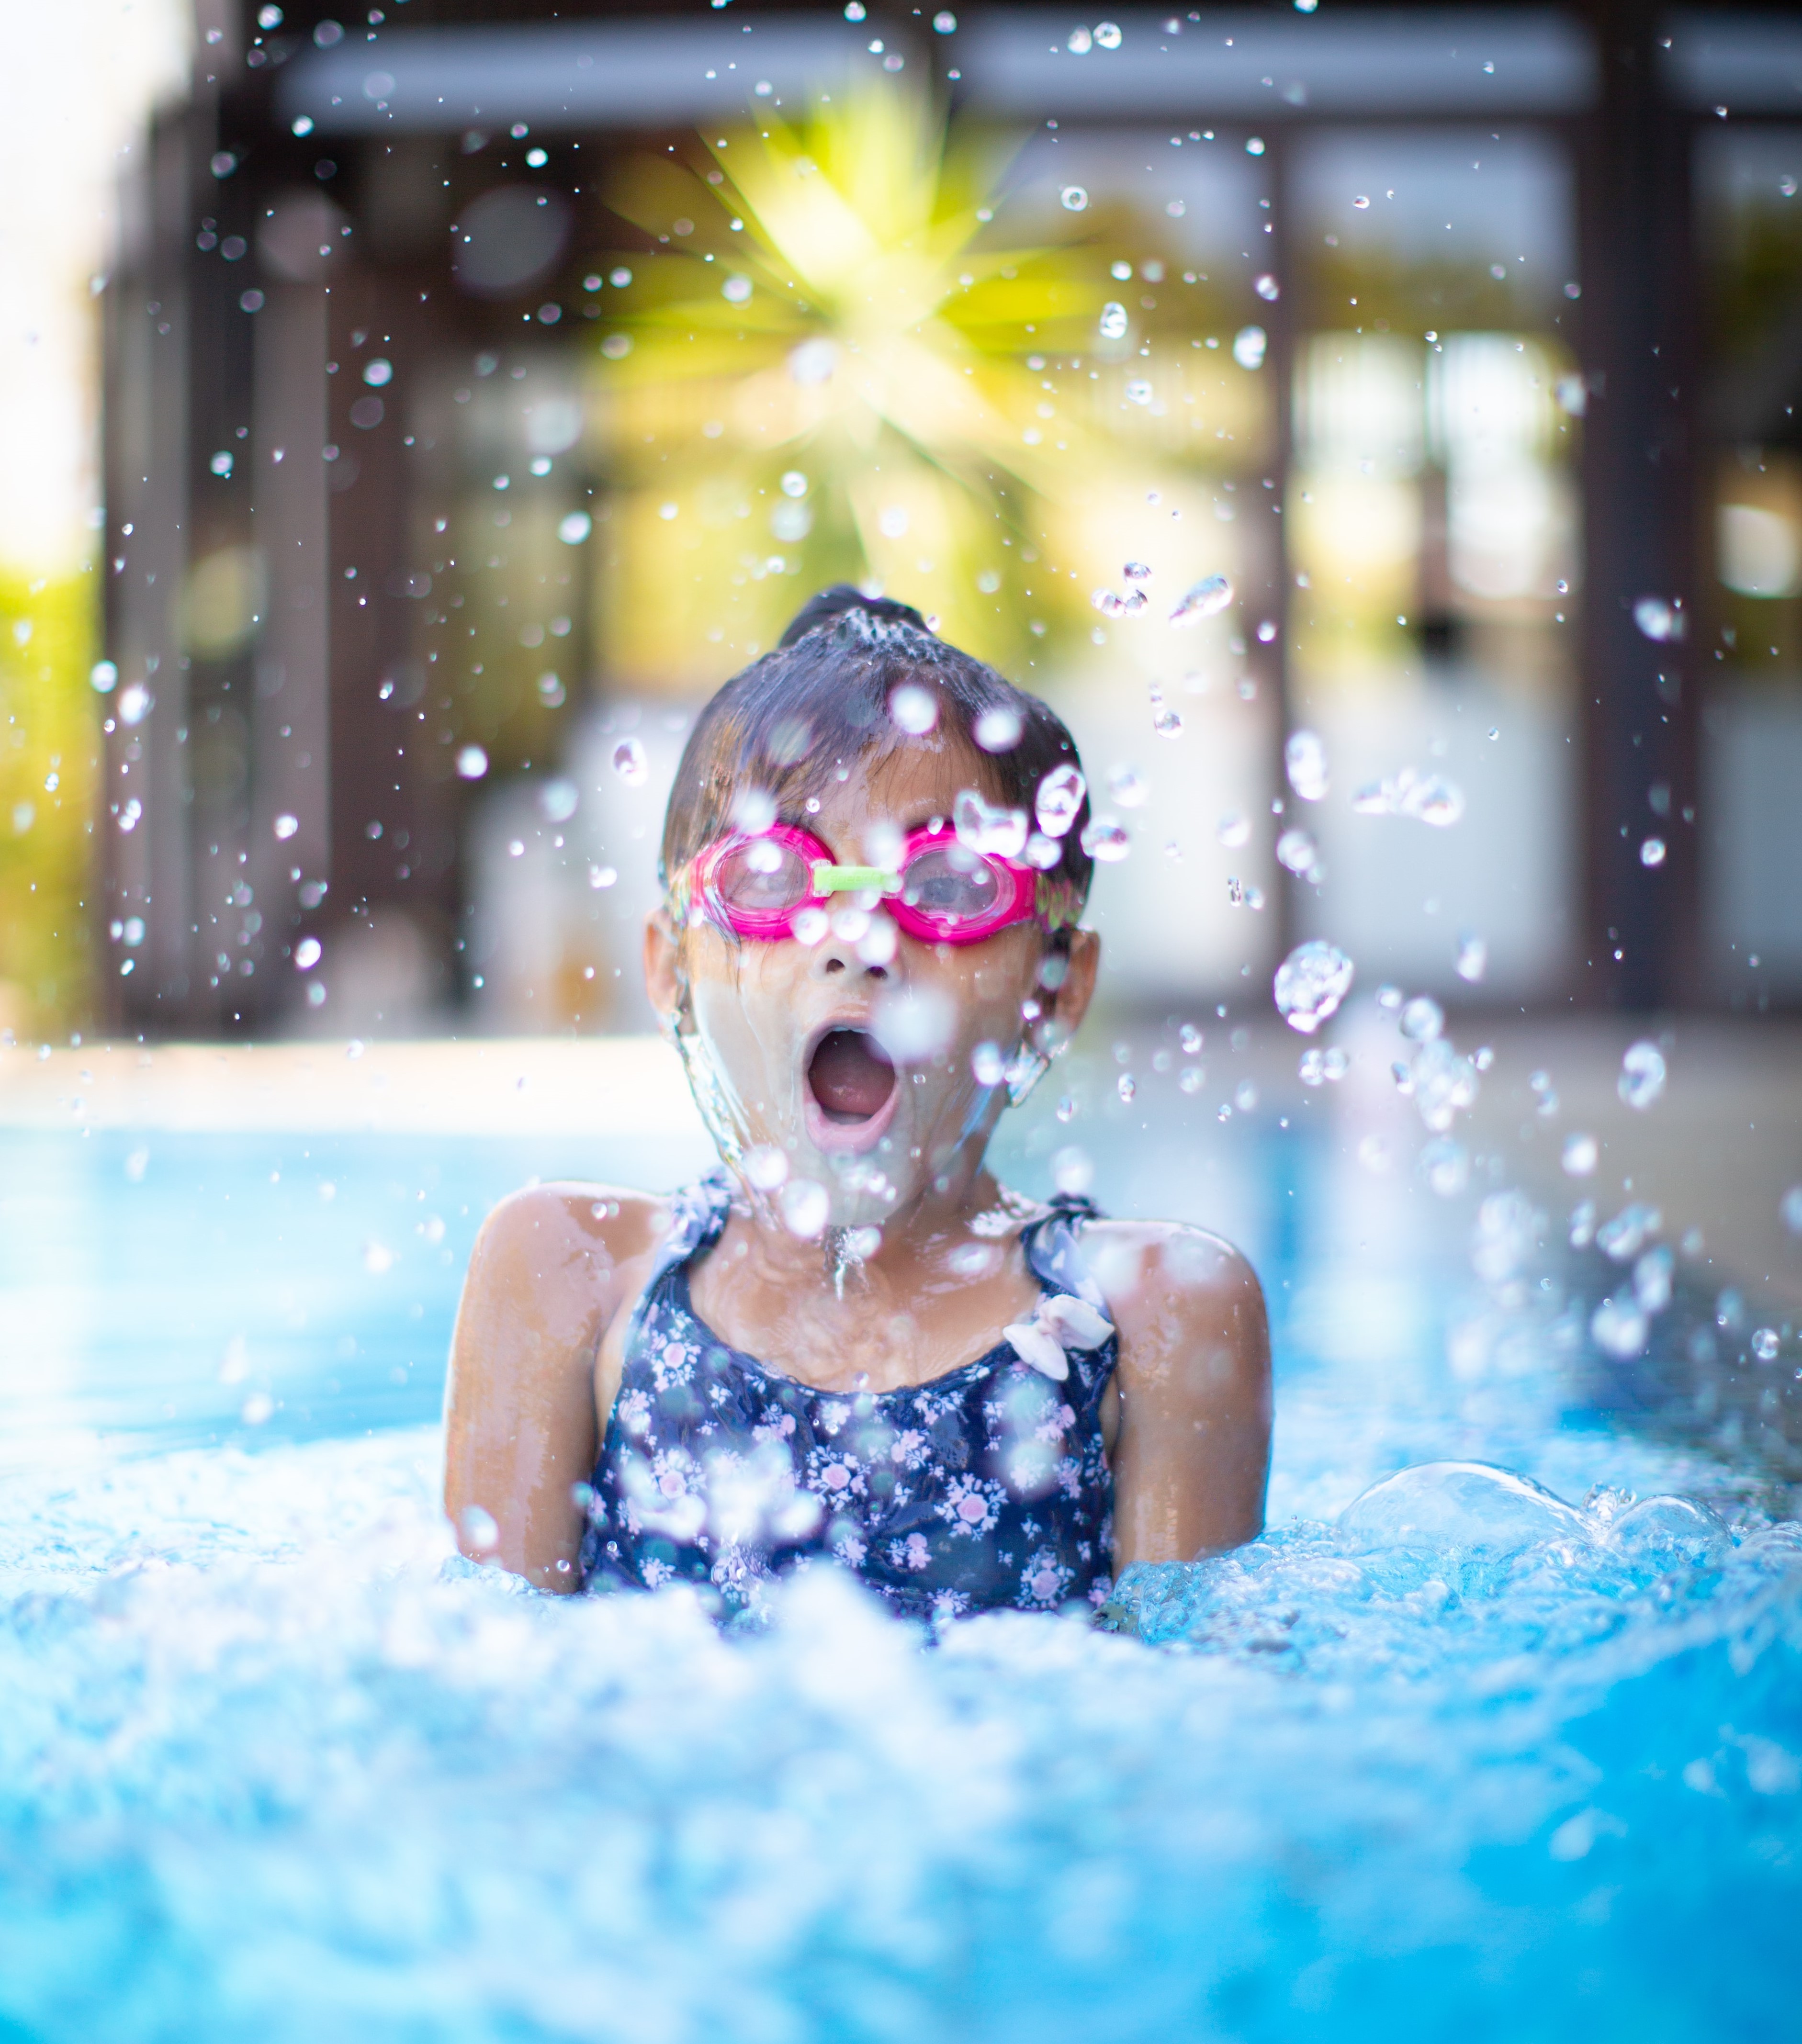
column 1069, row 1003
column 663, row 969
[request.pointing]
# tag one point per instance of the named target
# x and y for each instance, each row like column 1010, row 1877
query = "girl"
column 851, row 1344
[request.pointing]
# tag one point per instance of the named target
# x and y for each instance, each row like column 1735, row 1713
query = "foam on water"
column 275, row 1764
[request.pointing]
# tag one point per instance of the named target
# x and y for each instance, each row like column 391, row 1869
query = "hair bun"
column 841, row 598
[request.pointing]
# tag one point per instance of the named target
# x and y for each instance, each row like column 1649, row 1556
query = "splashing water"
column 1206, row 598
column 1310, row 984
column 1440, row 1753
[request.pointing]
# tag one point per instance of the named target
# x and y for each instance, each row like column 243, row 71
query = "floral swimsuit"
column 987, row 1487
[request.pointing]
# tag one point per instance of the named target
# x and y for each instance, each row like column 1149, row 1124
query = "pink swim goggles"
column 940, row 892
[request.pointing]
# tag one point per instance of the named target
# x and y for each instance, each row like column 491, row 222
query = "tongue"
column 851, row 1077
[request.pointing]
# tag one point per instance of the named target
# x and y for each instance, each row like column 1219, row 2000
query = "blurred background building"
column 483, row 386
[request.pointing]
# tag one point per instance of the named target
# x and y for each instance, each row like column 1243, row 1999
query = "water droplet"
column 558, row 799
column 378, row 1258
column 1473, row 959
column 913, row 709
column 1296, row 851
column 1764, row 1344
column 736, row 290
column 1127, row 786
column 1305, row 760
column 1790, row 1207
column 285, row 826
column 1362, row 202
column 1136, row 571
column 1207, row 598
column 1072, row 1170
column 1652, row 851
column 1126, row 1085
column 1310, row 984
column 103, row 677
column 630, row 762
column 1662, row 622
column 307, row 953
column 601, row 876
column 1642, row 1079
column 1248, row 347
column 1113, row 321
column 1167, row 723
column 806, row 1205
column 1620, row 1328
column 1081, row 43
column 1138, row 392
column 1581, row 1155
column 1105, row 841
column 765, row 1166
column 996, row 832
column 1423, row 1019
column 1245, row 1096
column 1107, row 36
column 1233, row 830
column 575, row 528
column 1061, row 795
column 998, row 730
column 1446, row 1166
column 472, row 762
column 1267, row 288
column 1075, row 199
column 1434, row 800
column 479, row 1529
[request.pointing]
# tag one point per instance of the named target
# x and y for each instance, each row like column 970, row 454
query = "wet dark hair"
column 820, row 701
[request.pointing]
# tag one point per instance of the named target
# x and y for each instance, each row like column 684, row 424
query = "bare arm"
column 1192, row 1452
column 551, row 1268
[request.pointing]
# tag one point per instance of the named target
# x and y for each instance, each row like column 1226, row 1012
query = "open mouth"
column 851, row 1077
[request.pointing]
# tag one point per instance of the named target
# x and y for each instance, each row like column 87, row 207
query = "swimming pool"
column 272, row 1764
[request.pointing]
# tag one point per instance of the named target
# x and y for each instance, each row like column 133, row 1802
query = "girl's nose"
column 859, row 941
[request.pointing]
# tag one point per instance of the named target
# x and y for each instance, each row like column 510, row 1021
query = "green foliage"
column 49, row 768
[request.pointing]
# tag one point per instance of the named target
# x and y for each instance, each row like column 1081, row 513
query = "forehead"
column 903, row 784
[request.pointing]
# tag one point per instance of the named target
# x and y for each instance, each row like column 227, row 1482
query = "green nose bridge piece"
column 830, row 879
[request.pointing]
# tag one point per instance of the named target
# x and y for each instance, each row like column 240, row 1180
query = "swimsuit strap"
column 697, row 1214
column 1050, row 1245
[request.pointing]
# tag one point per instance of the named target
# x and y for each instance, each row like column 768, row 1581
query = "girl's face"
column 852, row 1062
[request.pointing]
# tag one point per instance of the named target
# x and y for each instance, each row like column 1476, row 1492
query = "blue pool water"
column 274, row 1766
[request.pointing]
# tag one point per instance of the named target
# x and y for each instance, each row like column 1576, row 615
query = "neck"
column 917, row 1238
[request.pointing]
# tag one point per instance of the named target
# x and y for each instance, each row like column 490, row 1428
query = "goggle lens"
column 763, row 877
column 950, row 884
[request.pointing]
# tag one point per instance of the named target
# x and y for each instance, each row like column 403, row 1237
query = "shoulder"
column 575, row 1243
column 1173, row 1290
column 611, row 1220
